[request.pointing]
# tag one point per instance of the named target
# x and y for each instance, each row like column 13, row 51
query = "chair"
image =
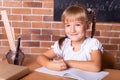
column 111, row 60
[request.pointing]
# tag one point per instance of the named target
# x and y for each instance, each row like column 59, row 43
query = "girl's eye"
column 77, row 24
column 67, row 25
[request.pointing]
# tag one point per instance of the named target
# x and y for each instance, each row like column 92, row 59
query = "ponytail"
column 60, row 42
column 93, row 12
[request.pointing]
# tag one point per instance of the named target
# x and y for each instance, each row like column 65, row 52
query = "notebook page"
column 71, row 75
column 75, row 73
column 48, row 71
column 64, row 73
column 88, row 75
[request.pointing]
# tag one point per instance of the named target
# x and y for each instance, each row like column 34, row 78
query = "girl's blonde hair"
column 75, row 13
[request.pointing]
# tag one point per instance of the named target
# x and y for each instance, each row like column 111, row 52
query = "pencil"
column 16, row 60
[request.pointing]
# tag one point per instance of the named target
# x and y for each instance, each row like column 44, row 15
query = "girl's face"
column 75, row 31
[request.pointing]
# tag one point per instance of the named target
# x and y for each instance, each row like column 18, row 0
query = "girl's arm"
column 46, row 60
column 93, row 65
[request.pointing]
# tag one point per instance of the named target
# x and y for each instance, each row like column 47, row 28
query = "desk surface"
column 30, row 61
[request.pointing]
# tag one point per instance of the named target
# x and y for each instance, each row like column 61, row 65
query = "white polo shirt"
column 84, row 54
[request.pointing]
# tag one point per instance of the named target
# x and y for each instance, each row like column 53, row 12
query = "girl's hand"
column 57, row 65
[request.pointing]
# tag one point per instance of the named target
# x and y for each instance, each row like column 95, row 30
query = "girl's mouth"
column 73, row 34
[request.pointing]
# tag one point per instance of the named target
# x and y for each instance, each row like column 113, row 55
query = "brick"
column 21, row 11
column 46, row 44
column 48, row 18
column 103, row 27
column 110, row 34
column 38, row 50
column 15, row 17
column 17, row 30
column 3, row 30
column 26, row 50
column 119, row 48
column 52, row 32
column 1, row 24
column 104, row 40
column 117, row 28
column 32, row 4
column 115, row 41
column 51, row 1
column 48, row 5
column 58, row 25
column 4, row 50
column 5, row 43
column 48, row 0
column 108, row 27
column 8, row 10
column 3, row 36
column 21, row 24
column 32, row 18
column 31, row 31
column 42, row 11
column 46, row 31
column 12, row 4
column 0, row 30
column 110, row 47
column 25, row 36
column 0, row 43
column 29, row 0
column 30, row 44
column 17, row 33
column 55, row 32
column 41, row 37
column 0, row 18
column 41, row 25
column 55, row 38
column 97, row 33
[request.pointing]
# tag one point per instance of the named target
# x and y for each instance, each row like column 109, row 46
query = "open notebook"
column 75, row 73
column 12, row 72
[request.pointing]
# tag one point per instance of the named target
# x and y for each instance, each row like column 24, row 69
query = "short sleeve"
column 56, row 48
column 96, row 45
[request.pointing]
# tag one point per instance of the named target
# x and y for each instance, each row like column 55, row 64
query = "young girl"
column 76, row 50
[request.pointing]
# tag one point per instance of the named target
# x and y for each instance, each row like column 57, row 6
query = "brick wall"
column 33, row 19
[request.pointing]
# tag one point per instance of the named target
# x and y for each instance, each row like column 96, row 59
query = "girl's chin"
column 73, row 39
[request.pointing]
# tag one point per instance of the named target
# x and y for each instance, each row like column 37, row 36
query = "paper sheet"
column 75, row 73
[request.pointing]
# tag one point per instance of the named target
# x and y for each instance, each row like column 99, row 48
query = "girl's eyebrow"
column 67, row 23
column 79, row 21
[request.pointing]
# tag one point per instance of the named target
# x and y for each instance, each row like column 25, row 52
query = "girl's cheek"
column 67, row 29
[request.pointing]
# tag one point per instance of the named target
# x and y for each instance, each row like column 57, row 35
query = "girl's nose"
column 72, row 29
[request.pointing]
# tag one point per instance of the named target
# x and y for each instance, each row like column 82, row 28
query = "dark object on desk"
column 11, row 57
column 12, row 72
column 16, row 58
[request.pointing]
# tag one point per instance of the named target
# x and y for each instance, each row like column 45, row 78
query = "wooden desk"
column 30, row 61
